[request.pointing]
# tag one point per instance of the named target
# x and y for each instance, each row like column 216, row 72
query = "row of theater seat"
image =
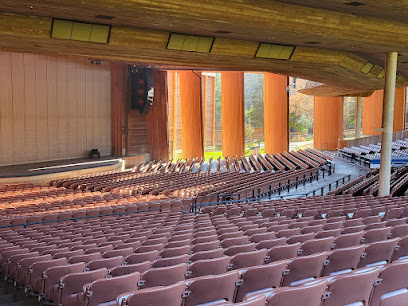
column 368, row 184
column 199, row 227
column 151, row 180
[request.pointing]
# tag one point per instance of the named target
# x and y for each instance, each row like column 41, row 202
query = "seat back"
column 316, row 246
column 306, row 295
column 211, row 288
column 260, row 277
column 126, row 269
column 303, row 268
column 163, row 276
column 208, row 267
column 352, row 287
column 169, row 295
column 107, row 289
column 108, row 263
column 377, row 252
column 248, row 259
column 345, row 259
column 281, row 252
column 73, row 283
column 52, row 275
column 393, row 280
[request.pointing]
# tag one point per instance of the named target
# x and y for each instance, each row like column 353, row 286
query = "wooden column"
column 327, row 122
column 156, row 119
column 204, row 100
column 276, row 113
column 399, row 109
column 191, row 114
column 211, row 95
column 118, row 106
column 372, row 112
column 232, row 110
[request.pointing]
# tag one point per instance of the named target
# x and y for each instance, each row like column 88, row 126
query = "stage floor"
column 56, row 166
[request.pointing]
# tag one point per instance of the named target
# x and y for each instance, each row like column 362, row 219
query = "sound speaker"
column 141, row 89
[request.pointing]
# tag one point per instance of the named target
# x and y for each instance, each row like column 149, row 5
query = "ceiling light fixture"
column 106, row 17
column 354, row 3
column 222, row 32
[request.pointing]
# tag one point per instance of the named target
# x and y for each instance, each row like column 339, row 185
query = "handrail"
column 252, row 199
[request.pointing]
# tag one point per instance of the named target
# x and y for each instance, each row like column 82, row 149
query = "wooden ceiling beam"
column 139, row 45
column 262, row 20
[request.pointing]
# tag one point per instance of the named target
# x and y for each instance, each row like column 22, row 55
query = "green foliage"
column 255, row 115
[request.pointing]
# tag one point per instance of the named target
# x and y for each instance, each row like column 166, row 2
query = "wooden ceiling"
column 333, row 40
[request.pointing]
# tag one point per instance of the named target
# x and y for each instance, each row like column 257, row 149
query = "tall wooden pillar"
column 191, row 114
column 327, row 122
column 276, row 113
column 399, row 109
column 119, row 96
column 372, row 112
column 157, row 119
column 232, row 111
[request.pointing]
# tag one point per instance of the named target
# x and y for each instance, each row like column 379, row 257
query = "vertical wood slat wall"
column 233, row 113
column 372, row 111
column 156, row 119
column 327, row 122
column 276, row 113
column 52, row 107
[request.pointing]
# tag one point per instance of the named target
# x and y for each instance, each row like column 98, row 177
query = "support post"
column 359, row 116
column 387, row 123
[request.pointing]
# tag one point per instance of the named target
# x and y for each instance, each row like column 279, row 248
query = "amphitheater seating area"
column 311, row 251
column 258, row 175
column 368, row 184
column 363, row 154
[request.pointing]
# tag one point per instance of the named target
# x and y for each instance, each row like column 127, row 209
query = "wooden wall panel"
column 30, row 107
column 17, row 78
column 52, row 107
column 6, row 109
column 137, row 133
column 156, row 119
column 177, row 113
column 118, row 104
column 191, row 115
column 232, row 110
column 45, row 108
column 327, row 122
column 72, row 105
column 81, row 123
column 372, row 111
column 276, row 113
column 62, row 107
column 399, row 109
column 42, row 105
column 171, row 105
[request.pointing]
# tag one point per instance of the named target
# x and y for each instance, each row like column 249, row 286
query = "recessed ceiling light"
column 223, row 32
column 354, row 3
column 313, row 42
column 30, row 7
column 106, row 17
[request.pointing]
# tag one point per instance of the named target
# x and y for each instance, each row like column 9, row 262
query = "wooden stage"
column 43, row 172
